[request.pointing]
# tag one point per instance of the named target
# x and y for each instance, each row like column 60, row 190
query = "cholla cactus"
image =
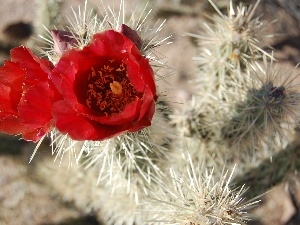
column 269, row 110
column 192, row 196
column 101, row 78
column 227, row 45
column 83, row 27
column 245, row 104
column 191, row 122
column 128, row 163
column 78, row 186
column 99, row 105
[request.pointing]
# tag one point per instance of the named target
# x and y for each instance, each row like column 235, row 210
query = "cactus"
column 142, row 159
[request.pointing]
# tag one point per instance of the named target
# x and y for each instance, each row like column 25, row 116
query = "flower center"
column 116, row 87
column 109, row 89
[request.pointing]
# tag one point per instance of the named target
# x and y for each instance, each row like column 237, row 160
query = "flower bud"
column 131, row 34
column 63, row 41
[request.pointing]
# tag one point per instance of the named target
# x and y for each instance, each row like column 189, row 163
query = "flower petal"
column 146, row 113
column 10, row 124
column 11, row 81
column 11, row 72
column 80, row 128
column 35, row 106
column 25, row 95
column 133, row 71
column 36, row 69
column 37, row 134
column 5, row 103
column 148, row 76
column 130, row 113
column 110, row 42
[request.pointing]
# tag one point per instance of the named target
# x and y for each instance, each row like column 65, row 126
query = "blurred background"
column 25, row 197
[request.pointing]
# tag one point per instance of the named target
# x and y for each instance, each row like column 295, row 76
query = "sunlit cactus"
column 123, row 150
column 192, row 196
column 269, row 109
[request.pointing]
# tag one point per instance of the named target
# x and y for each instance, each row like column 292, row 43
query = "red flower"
column 26, row 95
column 107, row 89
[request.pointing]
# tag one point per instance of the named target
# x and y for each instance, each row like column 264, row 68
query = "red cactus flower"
column 107, row 89
column 26, row 95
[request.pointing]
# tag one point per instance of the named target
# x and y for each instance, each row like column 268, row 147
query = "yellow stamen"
column 116, row 87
